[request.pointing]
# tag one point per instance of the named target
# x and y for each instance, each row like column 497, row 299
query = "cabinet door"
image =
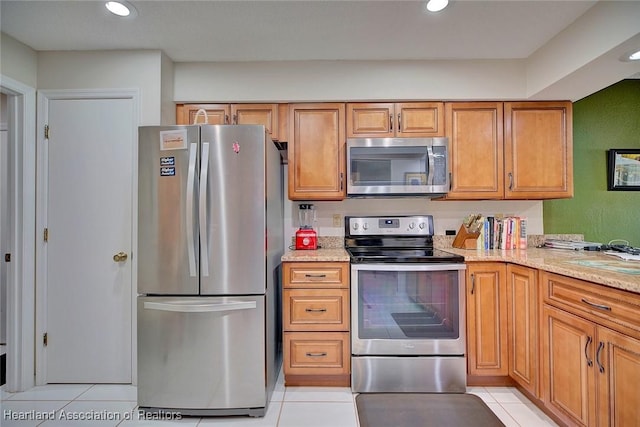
column 316, row 151
column 538, row 150
column 618, row 371
column 257, row 114
column 568, row 367
column 370, row 120
column 217, row 114
column 522, row 301
column 475, row 132
column 487, row 319
column 419, row 119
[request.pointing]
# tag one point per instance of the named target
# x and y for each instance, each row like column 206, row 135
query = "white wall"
column 168, row 107
column 18, row 61
column 108, row 70
column 447, row 215
column 349, row 80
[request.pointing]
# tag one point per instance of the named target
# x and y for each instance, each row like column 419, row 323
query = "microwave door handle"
column 432, row 165
column 191, row 183
column 203, row 207
column 198, row 307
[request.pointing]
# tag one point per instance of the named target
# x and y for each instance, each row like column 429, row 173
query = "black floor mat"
column 424, row 410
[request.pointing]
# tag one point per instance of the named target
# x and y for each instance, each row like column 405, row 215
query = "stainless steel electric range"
column 407, row 307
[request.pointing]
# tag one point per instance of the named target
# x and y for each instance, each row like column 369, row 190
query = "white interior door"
column 89, row 220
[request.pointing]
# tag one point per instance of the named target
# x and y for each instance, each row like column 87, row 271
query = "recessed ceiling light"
column 120, row 8
column 635, row 56
column 436, row 5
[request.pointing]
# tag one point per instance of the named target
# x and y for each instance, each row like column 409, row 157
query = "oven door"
column 408, row 309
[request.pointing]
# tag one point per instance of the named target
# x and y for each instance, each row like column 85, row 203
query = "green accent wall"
column 607, row 119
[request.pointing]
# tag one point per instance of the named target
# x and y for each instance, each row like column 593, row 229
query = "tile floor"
column 290, row 407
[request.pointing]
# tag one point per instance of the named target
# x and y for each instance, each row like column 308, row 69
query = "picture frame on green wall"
column 623, row 169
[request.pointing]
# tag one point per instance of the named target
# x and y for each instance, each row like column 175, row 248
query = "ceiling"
column 242, row 30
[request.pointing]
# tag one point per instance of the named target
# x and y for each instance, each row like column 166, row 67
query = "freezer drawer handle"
column 192, row 307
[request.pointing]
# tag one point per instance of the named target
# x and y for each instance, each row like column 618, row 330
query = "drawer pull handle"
column 589, row 361
column 315, row 310
column 316, row 354
column 315, row 276
column 598, row 306
column 600, row 367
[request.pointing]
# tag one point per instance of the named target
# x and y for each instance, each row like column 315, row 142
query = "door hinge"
column 45, row 339
column 46, row 235
column 46, row 131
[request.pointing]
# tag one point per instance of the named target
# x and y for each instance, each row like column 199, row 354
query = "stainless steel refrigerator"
column 210, row 239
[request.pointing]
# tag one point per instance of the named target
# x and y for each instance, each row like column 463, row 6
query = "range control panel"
column 414, row 225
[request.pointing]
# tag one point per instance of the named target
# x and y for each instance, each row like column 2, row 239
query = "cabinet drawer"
column 317, row 353
column 316, row 309
column 615, row 308
column 316, row 275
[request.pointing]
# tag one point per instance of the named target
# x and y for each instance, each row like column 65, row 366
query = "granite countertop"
column 319, row 255
column 586, row 265
column 594, row 266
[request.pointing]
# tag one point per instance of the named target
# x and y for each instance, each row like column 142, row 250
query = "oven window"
column 408, row 304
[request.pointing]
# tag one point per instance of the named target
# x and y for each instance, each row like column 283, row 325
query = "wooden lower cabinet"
column 316, row 322
column 522, row 321
column 618, row 377
column 568, row 373
column 591, row 353
column 486, row 320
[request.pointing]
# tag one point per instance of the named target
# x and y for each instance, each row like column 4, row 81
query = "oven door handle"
column 409, row 267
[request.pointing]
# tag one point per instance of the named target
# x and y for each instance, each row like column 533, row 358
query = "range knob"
column 421, row 226
column 355, row 226
column 365, row 226
column 412, row 225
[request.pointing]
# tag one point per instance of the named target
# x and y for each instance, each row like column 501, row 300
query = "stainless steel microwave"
column 382, row 167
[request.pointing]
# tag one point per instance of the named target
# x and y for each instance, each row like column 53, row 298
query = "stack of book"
column 503, row 232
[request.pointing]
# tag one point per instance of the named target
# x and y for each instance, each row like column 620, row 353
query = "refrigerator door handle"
column 196, row 307
column 191, row 182
column 204, row 241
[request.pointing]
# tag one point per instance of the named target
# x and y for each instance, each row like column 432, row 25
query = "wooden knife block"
column 465, row 240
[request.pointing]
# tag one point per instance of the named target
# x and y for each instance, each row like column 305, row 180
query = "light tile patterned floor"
column 290, row 407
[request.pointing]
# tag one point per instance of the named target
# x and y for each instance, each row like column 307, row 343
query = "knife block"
column 465, row 240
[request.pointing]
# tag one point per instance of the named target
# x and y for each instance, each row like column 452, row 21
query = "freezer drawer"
column 202, row 354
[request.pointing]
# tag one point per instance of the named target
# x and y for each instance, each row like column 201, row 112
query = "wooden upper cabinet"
column 316, row 151
column 256, row 114
column 236, row 114
column 385, row 120
column 538, row 150
column 217, row 114
column 476, row 160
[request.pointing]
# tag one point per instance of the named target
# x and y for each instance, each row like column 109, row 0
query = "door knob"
column 120, row 256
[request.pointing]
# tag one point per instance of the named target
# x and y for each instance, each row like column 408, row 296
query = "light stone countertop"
column 591, row 266
column 319, row 255
column 585, row 265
